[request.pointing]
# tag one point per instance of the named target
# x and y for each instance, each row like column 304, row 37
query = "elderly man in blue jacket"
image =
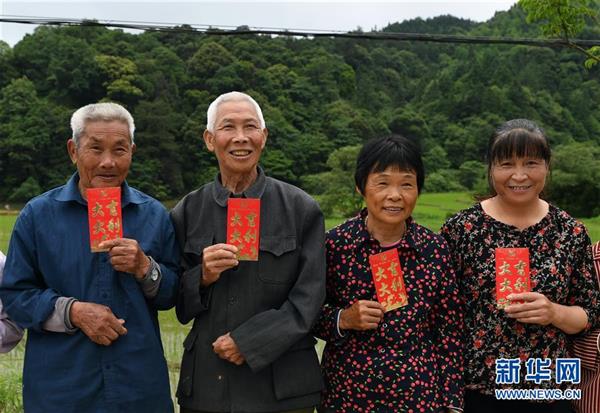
column 93, row 338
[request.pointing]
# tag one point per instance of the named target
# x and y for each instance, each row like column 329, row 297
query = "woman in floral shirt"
column 407, row 359
column 564, row 297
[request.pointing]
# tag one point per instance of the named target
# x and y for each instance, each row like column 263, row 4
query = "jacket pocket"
column 196, row 245
column 297, row 372
column 188, row 365
column 278, row 260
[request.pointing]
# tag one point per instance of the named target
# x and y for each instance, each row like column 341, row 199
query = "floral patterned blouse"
column 413, row 361
column 560, row 268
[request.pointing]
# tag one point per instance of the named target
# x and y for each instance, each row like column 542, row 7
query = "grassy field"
column 431, row 211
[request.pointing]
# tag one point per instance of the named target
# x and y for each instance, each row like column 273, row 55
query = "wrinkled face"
column 238, row 139
column 391, row 196
column 519, row 180
column 103, row 155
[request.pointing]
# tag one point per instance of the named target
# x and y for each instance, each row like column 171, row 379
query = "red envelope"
column 512, row 273
column 388, row 279
column 243, row 227
column 104, row 215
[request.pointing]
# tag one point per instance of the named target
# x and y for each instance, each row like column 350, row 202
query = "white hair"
column 211, row 113
column 105, row 111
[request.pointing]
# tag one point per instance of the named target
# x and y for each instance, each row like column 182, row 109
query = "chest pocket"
column 194, row 247
column 278, row 259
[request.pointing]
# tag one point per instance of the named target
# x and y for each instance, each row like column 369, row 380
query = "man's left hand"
column 127, row 256
column 226, row 348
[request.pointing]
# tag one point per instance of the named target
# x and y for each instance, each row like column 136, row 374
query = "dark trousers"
column 476, row 402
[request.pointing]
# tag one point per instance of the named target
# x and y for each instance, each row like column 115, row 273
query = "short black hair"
column 521, row 138
column 394, row 151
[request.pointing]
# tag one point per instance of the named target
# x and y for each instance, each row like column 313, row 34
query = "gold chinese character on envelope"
column 104, row 215
column 512, row 274
column 388, row 279
column 243, row 227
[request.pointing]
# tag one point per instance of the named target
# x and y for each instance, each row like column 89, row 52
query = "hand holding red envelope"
column 388, row 279
column 104, row 215
column 243, row 227
column 512, row 274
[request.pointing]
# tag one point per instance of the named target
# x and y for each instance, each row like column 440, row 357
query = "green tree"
column 121, row 76
column 444, row 180
column 206, row 62
column 33, row 135
column 575, row 181
column 335, row 189
column 435, row 159
column 471, row 174
column 564, row 19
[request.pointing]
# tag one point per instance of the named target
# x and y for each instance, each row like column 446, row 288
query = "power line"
column 246, row 30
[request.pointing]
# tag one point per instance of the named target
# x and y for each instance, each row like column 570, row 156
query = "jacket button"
column 219, row 377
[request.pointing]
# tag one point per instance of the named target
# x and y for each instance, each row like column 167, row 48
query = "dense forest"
column 321, row 98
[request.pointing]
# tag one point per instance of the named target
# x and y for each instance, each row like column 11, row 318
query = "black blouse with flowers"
column 412, row 362
column 560, row 268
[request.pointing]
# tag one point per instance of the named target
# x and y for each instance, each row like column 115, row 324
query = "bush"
column 27, row 190
column 445, row 180
column 575, row 182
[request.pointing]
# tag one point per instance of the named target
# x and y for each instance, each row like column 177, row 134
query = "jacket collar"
column 256, row 190
column 412, row 239
column 70, row 192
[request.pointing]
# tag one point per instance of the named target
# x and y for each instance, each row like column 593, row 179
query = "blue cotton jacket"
column 49, row 257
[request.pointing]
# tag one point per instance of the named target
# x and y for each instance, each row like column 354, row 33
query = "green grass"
column 11, row 366
column 431, row 211
column 593, row 227
column 6, row 224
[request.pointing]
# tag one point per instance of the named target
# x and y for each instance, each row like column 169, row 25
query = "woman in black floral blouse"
column 563, row 299
column 403, row 360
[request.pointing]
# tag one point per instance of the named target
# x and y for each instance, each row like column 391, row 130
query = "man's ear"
column 133, row 148
column 72, row 149
column 209, row 139
column 265, row 135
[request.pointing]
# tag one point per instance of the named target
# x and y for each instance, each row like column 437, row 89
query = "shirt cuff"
column 150, row 286
column 60, row 320
column 337, row 324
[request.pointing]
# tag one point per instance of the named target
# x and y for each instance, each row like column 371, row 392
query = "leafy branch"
column 564, row 19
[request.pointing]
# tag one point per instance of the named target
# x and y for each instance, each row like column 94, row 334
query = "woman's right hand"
column 362, row 315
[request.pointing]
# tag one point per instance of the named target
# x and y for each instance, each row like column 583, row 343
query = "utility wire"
column 245, row 30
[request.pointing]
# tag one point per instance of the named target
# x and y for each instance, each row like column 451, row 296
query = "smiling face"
column 390, row 196
column 237, row 139
column 103, row 155
column 519, row 180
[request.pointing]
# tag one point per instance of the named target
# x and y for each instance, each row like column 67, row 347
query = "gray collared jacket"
column 268, row 306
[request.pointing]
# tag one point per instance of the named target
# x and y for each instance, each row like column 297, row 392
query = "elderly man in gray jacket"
column 250, row 349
